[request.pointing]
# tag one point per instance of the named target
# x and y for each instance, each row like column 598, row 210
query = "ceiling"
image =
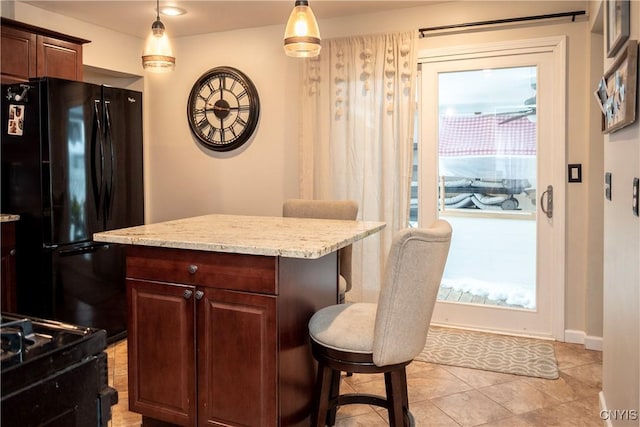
column 135, row 17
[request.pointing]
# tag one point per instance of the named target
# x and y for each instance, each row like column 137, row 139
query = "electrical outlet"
column 636, row 191
column 607, row 185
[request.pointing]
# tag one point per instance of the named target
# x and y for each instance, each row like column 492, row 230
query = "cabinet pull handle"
column 199, row 295
column 187, row 294
column 193, row 268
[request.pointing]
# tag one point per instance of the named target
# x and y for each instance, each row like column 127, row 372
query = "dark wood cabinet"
column 221, row 338
column 29, row 51
column 237, row 378
column 18, row 61
column 161, row 351
column 8, row 266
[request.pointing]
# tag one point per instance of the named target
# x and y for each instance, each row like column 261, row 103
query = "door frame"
column 429, row 160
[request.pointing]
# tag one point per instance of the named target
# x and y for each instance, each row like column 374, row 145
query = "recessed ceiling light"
column 172, row 11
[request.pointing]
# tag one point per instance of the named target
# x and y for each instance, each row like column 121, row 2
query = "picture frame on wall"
column 617, row 25
column 617, row 91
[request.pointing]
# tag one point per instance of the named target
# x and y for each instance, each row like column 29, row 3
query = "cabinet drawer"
column 252, row 273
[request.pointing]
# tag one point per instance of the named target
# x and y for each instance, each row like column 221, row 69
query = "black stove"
column 53, row 374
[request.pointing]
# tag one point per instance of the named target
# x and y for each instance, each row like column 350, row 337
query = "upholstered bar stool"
column 327, row 209
column 384, row 337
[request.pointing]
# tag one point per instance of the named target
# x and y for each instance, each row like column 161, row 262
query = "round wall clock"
column 223, row 109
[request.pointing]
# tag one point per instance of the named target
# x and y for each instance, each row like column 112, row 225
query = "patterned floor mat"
column 490, row 352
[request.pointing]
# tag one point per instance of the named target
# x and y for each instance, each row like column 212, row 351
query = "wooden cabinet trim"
column 6, row 22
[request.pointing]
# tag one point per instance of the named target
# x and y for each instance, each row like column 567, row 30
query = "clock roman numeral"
column 241, row 94
column 202, row 122
column 241, row 121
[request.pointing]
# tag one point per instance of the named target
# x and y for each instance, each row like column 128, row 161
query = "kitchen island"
column 218, row 307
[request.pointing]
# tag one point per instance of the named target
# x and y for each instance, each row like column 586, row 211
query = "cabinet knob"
column 187, row 294
column 199, row 294
column 193, row 268
column 12, row 252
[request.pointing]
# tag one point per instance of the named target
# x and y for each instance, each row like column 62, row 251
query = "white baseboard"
column 603, row 409
column 580, row 337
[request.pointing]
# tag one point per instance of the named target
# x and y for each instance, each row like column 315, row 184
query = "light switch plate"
column 575, row 172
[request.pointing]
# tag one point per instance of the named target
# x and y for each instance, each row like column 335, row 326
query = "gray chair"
column 382, row 337
column 327, row 209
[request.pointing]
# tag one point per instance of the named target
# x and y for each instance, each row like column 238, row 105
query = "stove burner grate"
column 18, row 339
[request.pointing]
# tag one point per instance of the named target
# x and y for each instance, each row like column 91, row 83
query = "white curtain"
column 358, row 106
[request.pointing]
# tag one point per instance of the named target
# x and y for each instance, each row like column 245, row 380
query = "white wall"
column 187, row 179
column 184, row 179
column 621, row 364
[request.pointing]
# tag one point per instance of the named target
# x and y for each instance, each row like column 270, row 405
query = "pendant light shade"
column 302, row 36
column 158, row 56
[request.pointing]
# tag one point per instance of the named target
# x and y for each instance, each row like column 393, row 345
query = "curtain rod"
column 504, row 21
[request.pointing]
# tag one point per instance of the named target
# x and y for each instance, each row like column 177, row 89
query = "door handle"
column 109, row 189
column 549, row 196
column 97, row 147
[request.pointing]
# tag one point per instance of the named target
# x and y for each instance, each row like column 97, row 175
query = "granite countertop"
column 254, row 235
column 9, row 217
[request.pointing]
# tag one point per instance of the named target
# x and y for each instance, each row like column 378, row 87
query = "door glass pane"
column 487, row 185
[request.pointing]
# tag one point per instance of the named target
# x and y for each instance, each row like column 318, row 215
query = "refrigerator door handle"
column 108, row 200
column 97, row 177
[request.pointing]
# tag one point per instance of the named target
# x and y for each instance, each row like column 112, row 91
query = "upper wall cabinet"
column 29, row 51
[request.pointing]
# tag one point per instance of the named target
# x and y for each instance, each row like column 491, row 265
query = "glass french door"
column 491, row 162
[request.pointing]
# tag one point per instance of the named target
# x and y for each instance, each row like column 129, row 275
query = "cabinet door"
column 237, row 382
column 58, row 58
column 161, row 349
column 8, row 268
column 18, row 61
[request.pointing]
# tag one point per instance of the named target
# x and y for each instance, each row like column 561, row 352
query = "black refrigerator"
column 72, row 166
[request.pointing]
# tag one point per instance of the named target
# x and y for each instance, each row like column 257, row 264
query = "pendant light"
column 158, row 56
column 302, row 36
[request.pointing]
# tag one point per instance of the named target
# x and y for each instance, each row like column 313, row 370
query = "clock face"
column 223, row 109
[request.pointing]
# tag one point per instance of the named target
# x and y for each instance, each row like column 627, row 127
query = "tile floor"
column 451, row 396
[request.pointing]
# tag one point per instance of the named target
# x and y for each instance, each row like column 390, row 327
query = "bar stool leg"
column 335, row 392
column 323, row 390
column 397, row 396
